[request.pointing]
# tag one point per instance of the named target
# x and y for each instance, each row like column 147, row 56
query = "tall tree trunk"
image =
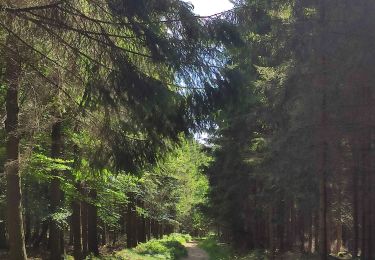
column 92, row 227
column 42, row 237
column 309, row 246
column 141, row 232
column 302, row 231
column 355, row 177
column 27, row 216
column 55, row 193
column 17, row 250
column 148, row 229
column 323, row 140
column 3, row 240
column 323, row 246
column 339, row 240
column 131, row 237
column 366, row 194
column 271, row 233
column 84, row 217
column 76, row 228
column 104, row 234
column 316, row 232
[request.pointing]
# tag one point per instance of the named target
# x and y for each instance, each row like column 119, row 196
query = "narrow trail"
column 194, row 252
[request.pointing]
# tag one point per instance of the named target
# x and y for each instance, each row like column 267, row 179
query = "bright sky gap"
column 210, row 7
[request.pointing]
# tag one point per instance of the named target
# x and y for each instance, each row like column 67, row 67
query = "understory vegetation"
column 169, row 247
column 222, row 251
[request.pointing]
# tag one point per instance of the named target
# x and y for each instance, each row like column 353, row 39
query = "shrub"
column 171, row 247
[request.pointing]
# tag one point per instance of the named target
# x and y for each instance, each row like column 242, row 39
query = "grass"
column 168, row 248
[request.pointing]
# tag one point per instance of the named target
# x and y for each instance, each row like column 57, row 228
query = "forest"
column 140, row 130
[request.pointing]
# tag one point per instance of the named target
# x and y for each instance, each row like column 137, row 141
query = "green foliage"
column 41, row 166
column 170, row 247
column 215, row 250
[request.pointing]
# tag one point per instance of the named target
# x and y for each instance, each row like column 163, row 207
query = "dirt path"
column 194, row 252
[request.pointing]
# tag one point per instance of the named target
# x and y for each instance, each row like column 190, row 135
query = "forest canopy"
column 102, row 102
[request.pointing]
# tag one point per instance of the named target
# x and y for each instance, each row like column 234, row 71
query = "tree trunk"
column 3, row 240
column 339, row 240
column 323, row 243
column 76, row 228
column 17, row 250
column 104, row 235
column 302, row 231
column 55, row 193
column 271, row 233
column 141, row 226
column 27, row 216
column 92, row 224
column 148, row 229
column 323, row 140
column 355, row 207
column 84, row 213
column 131, row 237
column 42, row 237
column 309, row 246
column 316, row 233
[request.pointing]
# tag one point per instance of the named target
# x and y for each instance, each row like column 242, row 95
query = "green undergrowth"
column 220, row 251
column 170, row 247
column 214, row 249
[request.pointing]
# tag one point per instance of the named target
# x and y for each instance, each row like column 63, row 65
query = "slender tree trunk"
column 17, row 250
column 71, row 242
column 35, row 231
column 323, row 246
column 131, row 237
column 355, row 206
column 148, row 229
column 141, row 232
column 55, row 230
column 27, row 216
column 339, row 240
column 42, row 237
column 3, row 240
column 104, row 235
column 302, row 231
column 92, row 230
column 271, row 233
column 309, row 246
column 316, row 232
column 76, row 228
column 84, row 216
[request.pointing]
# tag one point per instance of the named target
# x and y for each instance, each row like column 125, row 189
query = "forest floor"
column 194, row 252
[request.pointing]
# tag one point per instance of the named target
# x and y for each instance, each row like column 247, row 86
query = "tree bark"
column 323, row 243
column 76, row 228
column 92, row 228
column 55, row 193
column 141, row 232
column 17, row 249
column 3, row 240
column 323, row 140
column 42, row 236
column 355, row 206
column 309, row 245
column 84, row 217
column 27, row 216
column 316, row 233
column 131, row 237
column 104, row 235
